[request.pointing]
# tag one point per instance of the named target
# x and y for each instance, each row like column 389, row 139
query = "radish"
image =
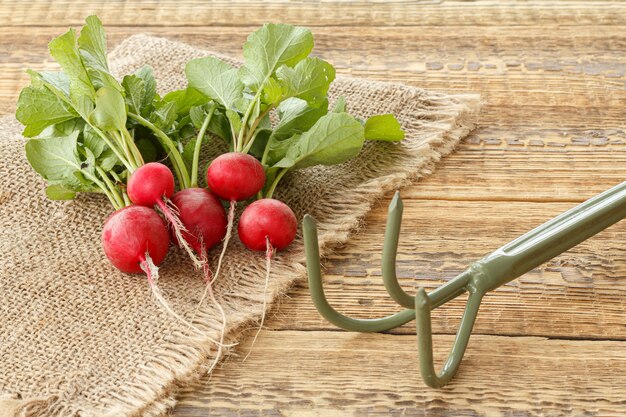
column 267, row 220
column 203, row 216
column 151, row 185
column 234, row 176
column 135, row 239
column 267, row 225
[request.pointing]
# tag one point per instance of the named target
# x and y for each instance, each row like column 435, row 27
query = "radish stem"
column 177, row 161
column 112, row 188
column 196, row 151
column 270, row 191
column 133, row 147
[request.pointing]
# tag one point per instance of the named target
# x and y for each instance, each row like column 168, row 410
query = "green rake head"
column 505, row 264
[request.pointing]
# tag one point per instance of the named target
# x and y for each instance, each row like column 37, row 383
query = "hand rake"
column 503, row 265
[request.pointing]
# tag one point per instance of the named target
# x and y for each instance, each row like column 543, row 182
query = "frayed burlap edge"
column 154, row 392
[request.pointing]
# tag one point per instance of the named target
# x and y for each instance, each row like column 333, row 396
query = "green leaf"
column 164, row 116
column 215, row 79
column 260, row 142
column 234, row 119
column 38, row 108
column 278, row 148
column 56, row 159
column 63, row 129
column 55, row 80
column 59, row 192
column 149, row 85
column 92, row 44
column 296, row 116
column 219, row 124
column 340, row 105
column 188, row 152
column 134, row 90
column 334, row 139
column 308, row 80
column 65, row 51
column 185, row 99
column 108, row 160
column 383, row 127
column 110, row 111
column 270, row 47
column 272, row 92
column 93, row 142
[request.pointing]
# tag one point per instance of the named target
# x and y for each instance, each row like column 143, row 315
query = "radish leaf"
column 270, row 47
column 39, row 108
column 334, row 139
column 59, row 192
column 383, row 127
column 308, row 80
column 215, row 79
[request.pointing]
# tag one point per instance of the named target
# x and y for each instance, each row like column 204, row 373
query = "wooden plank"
column 580, row 294
column 580, row 88
column 313, row 13
column 344, row 374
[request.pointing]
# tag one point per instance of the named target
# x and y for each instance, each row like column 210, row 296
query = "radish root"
column 209, row 289
column 152, row 273
column 170, row 211
column 269, row 252
column 229, row 232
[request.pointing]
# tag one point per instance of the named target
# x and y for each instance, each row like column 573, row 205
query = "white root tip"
column 269, row 252
column 170, row 211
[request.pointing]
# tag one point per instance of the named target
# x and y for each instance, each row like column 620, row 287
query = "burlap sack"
column 78, row 338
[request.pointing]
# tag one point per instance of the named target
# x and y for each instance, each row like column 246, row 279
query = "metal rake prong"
column 390, row 250
column 423, row 326
column 311, row 247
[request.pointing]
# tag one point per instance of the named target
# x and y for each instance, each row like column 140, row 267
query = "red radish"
column 152, row 185
column 204, row 218
column 135, row 237
column 267, row 218
column 267, row 225
column 235, row 176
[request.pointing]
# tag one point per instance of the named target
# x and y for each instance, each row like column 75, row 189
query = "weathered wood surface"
column 553, row 133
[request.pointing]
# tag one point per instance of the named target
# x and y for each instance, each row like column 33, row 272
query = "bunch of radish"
column 92, row 133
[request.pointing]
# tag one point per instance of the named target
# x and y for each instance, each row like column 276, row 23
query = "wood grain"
column 313, row 13
column 552, row 134
column 323, row 374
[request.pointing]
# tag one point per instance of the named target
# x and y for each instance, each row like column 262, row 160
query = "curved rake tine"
column 390, row 250
column 425, row 338
column 439, row 296
column 311, row 247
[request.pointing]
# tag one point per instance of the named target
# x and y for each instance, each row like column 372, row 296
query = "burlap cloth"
column 78, row 338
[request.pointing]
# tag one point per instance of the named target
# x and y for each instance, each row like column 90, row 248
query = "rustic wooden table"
column 552, row 134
